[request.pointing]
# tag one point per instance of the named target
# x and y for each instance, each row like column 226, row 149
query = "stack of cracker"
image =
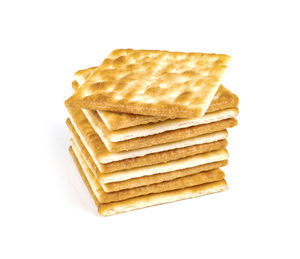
column 150, row 127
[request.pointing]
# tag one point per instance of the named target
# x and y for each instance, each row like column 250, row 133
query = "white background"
column 46, row 212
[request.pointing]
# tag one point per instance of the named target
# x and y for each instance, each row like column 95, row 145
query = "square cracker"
column 223, row 99
column 183, row 163
column 103, row 157
column 144, row 180
column 82, row 75
column 158, row 178
column 156, row 139
column 154, row 128
column 113, row 208
column 93, row 140
column 183, row 182
column 152, row 158
column 174, row 165
column 153, row 82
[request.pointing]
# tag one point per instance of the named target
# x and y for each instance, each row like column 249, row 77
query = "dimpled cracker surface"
column 113, row 208
column 223, row 99
column 188, row 181
column 82, row 75
column 152, row 82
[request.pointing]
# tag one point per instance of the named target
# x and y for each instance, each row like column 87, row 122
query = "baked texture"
column 156, row 139
column 157, row 178
column 107, row 161
column 187, row 162
column 150, row 159
column 224, row 99
column 153, row 82
column 99, row 150
column 95, row 142
column 153, row 128
column 145, row 201
column 75, row 85
column 144, row 180
column 82, row 75
column 112, row 208
column 174, row 165
column 183, row 182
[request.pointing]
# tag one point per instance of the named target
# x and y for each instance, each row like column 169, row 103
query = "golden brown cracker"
column 152, row 82
column 157, row 178
column 151, row 199
column 154, row 158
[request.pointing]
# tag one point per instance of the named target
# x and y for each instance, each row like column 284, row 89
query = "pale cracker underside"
column 183, row 163
column 158, row 178
column 183, row 182
column 98, row 150
column 80, row 129
column 154, row 128
column 149, row 159
column 156, row 139
column 145, row 180
column 108, row 157
column 144, row 201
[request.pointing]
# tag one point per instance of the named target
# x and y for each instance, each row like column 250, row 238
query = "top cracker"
column 153, row 82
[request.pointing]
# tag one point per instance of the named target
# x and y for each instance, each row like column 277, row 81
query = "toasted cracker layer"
column 82, row 127
column 112, row 208
column 170, row 166
column 157, row 178
column 94, row 142
column 152, row 82
column 150, row 159
column 153, row 128
column 144, row 180
column 183, row 182
column 224, row 99
column 82, row 75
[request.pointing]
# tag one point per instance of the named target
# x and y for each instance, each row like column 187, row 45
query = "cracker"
column 112, row 208
column 183, row 182
column 144, row 180
column 152, row 82
column 174, row 165
column 82, row 75
column 224, row 99
column 109, row 162
column 92, row 140
column 166, row 137
column 75, row 85
column 154, row 158
column 155, row 139
column 157, row 178
column 153, row 128
column 170, row 166
column 145, row 201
